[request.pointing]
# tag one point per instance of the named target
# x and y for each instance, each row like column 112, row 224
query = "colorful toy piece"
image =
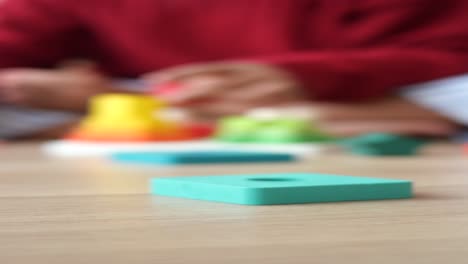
column 382, row 144
column 282, row 188
column 236, row 129
column 465, row 148
column 279, row 130
column 285, row 130
column 198, row 157
column 128, row 118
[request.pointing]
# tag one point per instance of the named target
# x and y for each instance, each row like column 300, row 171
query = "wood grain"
column 93, row 211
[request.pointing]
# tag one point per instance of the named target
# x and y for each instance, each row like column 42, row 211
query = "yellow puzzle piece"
column 126, row 117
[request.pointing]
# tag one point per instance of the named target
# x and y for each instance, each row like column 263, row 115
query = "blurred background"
column 344, row 68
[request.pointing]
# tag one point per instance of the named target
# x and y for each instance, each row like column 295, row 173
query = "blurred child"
column 231, row 55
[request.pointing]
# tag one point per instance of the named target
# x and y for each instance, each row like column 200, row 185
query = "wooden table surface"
column 92, row 211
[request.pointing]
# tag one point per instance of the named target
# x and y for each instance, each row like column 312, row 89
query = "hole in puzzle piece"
column 271, row 179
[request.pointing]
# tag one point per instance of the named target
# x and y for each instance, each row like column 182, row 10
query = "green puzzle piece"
column 282, row 188
column 237, row 129
column 282, row 130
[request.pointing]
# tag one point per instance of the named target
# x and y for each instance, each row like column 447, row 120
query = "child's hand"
column 390, row 116
column 63, row 89
column 226, row 88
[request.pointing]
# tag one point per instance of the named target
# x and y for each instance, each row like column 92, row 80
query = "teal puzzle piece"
column 283, row 188
column 198, row 157
column 382, row 144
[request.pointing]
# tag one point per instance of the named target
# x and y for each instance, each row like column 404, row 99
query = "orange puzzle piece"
column 131, row 118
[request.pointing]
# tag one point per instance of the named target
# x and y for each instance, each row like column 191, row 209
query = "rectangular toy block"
column 198, row 157
column 283, row 188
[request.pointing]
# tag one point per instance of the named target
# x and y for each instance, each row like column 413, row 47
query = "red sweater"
column 342, row 49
